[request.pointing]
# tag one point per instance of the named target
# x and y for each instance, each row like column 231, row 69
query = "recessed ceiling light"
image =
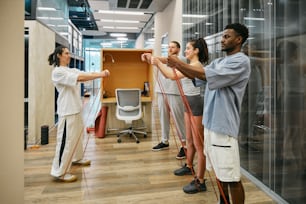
column 46, row 9
column 118, row 21
column 118, row 34
column 132, row 28
column 121, row 12
column 122, row 39
column 195, row 16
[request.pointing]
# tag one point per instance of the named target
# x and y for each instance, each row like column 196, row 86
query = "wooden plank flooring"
column 120, row 173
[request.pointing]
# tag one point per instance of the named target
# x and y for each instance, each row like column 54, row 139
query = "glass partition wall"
column 272, row 134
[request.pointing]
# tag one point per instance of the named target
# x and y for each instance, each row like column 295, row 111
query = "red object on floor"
column 100, row 122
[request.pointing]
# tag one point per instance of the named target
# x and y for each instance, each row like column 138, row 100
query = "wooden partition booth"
column 126, row 71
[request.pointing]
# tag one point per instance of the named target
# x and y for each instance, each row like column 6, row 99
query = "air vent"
column 121, row 3
column 145, row 4
column 134, row 4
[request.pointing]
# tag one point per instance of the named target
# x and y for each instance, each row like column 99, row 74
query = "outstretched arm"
column 168, row 72
column 190, row 71
column 92, row 75
column 147, row 57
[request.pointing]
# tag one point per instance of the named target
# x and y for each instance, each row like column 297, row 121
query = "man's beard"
column 227, row 49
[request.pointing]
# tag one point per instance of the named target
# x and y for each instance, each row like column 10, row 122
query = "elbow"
column 80, row 79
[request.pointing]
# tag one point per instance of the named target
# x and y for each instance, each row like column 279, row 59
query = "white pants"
column 177, row 107
column 69, row 145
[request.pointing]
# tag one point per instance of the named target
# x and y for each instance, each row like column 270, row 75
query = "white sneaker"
column 82, row 162
column 67, row 178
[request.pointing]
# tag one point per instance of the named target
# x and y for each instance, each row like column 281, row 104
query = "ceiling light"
column 119, row 21
column 118, row 34
column 194, row 16
column 50, row 18
column 63, row 33
column 43, row 17
column 56, row 18
column 121, row 12
column 253, row 19
column 46, row 9
column 133, row 28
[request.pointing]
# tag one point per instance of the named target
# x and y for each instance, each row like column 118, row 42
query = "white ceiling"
column 124, row 23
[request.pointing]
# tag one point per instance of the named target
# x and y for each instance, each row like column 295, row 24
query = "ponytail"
column 53, row 58
column 201, row 44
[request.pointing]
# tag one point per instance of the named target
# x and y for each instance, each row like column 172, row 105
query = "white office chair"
column 129, row 109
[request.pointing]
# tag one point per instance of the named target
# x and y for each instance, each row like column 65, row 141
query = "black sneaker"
column 181, row 154
column 185, row 170
column 160, row 146
column 194, row 187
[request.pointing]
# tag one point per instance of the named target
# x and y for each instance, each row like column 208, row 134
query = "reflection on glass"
column 272, row 134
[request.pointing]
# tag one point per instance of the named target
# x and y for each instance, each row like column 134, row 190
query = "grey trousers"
column 177, row 109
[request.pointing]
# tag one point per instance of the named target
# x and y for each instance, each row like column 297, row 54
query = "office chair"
column 129, row 109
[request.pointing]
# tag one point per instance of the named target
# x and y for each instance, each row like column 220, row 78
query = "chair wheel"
column 145, row 135
column 119, row 140
column 137, row 141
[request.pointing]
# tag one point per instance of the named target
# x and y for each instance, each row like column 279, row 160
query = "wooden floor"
column 120, row 173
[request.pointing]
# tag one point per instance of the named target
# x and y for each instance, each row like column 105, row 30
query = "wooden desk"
column 126, row 71
column 113, row 124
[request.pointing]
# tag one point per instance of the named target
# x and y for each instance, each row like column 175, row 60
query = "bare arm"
column 190, row 71
column 147, row 57
column 92, row 75
column 168, row 72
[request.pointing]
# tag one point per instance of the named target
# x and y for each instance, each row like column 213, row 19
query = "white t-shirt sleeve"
column 65, row 77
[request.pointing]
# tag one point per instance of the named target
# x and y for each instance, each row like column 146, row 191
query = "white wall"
column 139, row 44
column 168, row 21
column 41, row 90
column 11, row 109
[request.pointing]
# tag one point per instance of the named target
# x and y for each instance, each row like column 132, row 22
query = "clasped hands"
column 171, row 60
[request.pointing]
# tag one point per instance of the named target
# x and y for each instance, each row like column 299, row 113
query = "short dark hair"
column 177, row 43
column 240, row 29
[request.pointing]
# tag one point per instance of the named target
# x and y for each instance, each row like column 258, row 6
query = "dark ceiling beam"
column 81, row 15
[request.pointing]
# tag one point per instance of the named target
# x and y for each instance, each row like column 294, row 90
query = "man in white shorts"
column 226, row 80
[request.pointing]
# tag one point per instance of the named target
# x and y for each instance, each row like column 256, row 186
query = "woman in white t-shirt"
column 69, row 148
